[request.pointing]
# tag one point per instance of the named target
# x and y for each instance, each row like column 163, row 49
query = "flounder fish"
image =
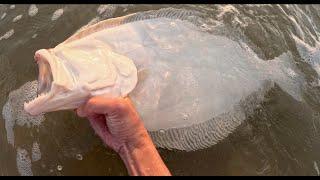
column 191, row 87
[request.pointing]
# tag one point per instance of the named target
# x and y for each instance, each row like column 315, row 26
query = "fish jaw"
column 66, row 79
column 59, row 98
column 56, row 90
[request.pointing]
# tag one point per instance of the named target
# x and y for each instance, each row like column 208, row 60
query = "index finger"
column 104, row 105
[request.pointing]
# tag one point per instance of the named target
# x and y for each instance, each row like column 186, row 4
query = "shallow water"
column 280, row 137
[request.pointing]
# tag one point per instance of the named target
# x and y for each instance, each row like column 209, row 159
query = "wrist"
column 130, row 153
column 139, row 141
column 143, row 158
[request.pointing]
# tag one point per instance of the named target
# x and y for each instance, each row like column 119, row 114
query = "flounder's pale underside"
column 188, row 85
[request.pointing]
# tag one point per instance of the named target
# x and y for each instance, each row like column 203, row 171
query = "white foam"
column 12, row 6
column 291, row 73
column 36, row 153
column 102, row 8
column 9, row 122
column 57, row 14
column 59, row 167
column 3, row 16
column 106, row 11
column 34, row 36
column 79, row 157
column 23, row 162
column 7, row 35
column 227, row 9
column 309, row 54
column 33, row 10
column 315, row 165
column 17, row 18
column 13, row 111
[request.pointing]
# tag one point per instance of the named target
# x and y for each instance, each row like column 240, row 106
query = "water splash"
column 17, row 18
column 3, row 16
column 57, row 14
column 23, row 162
column 13, row 111
column 36, row 153
column 33, row 10
column 7, row 35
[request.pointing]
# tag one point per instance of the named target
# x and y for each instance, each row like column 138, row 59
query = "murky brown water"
column 280, row 138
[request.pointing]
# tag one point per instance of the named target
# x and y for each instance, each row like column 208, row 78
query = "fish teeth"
column 41, row 95
column 37, row 98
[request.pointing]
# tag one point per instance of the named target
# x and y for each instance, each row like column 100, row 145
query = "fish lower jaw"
column 33, row 107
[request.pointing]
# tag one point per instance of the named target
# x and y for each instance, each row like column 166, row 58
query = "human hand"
column 115, row 121
column 118, row 124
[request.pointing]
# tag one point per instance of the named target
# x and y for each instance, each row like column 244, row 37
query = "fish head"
column 69, row 76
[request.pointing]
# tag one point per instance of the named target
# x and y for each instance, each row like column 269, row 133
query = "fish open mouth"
column 45, row 80
column 45, row 77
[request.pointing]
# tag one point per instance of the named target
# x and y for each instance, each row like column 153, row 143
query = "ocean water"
column 279, row 135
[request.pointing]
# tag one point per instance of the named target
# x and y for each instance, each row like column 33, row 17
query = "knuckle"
column 120, row 107
column 91, row 103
